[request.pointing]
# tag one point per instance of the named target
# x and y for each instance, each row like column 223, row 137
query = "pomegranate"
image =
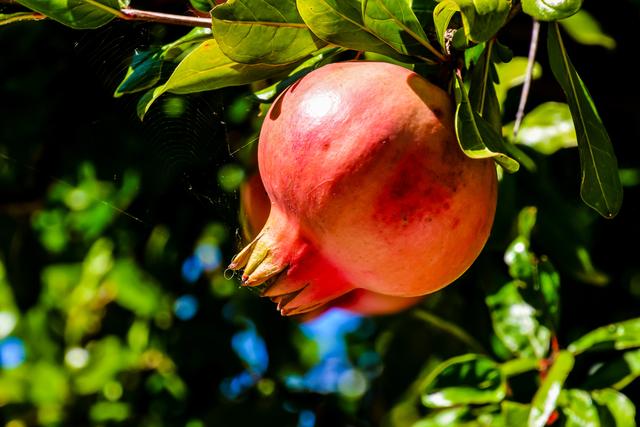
column 254, row 212
column 368, row 189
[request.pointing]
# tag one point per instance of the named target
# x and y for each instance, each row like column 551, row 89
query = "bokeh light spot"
column 192, row 269
column 8, row 321
column 306, row 419
column 12, row 352
column 266, row 386
column 222, row 287
column 230, row 177
column 251, row 348
column 186, row 307
column 209, row 256
column 352, row 384
column 112, row 390
column 77, row 357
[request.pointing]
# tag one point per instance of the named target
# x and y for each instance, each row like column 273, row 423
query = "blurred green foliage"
column 114, row 304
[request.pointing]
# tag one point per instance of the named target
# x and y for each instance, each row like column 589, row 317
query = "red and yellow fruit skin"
column 367, row 186
column 254, row 212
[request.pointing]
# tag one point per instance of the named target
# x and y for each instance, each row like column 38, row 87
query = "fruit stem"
column 450, row 328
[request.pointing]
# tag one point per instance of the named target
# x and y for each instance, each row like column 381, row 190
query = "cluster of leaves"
column 478, row 390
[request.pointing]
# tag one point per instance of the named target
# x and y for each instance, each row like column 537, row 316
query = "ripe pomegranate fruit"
column 254, row 212
column 368, row 189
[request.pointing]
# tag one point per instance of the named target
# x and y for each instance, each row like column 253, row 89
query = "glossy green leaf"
column 143, row 73
column 262, row 32
column 547, row 281
column 147, row 66
column 476, row 136
column 481, row 18
column 551, row 10
column 618, row 336
column 584, row 28
column 208, row 68
column 545, row 400
column 202, row 5
column 600, row 187
column 516, row 322
column 578, row 409
column 394, row 22
column 616, row 373
column 341, row 23
column 468, row 379
column 482, row 91
column 512, row 74
column 442, row 15
column 547, row 128
column 81, row 14
column 10, row 18
column 177, row 50
column 616, row 408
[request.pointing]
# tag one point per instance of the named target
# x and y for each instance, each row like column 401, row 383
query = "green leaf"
column 618, row 336
column 481, row 18
column 584, row 28
column 600, row 186
column 202, row 5
column 476, row 136
column 394, row 22
column 442, row 15
column 177, row 50
column 10, row 18
column 616, row 408
column 512, row 74
column 551, row 10
column 143, row 73
column 341, row 23
column 482, row 92
column 547, row 128
column 148, row 66
column 208, row 68
column 545, row 400
column 468, row 379
column 617, row 373
column 79, row 14
column 516, row 322
column 262, row 32
column 547, row 281
column 578, row 409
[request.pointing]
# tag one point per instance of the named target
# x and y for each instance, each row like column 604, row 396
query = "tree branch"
column 533, row 47
column 164, row 18
column 129, row 14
